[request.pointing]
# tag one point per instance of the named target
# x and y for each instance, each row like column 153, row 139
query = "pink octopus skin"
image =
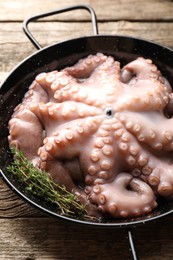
column 106, row 127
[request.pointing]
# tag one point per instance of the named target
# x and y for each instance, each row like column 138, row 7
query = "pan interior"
column 58, row 56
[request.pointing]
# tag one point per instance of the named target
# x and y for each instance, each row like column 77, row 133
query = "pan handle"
column 67, row 9
column 132, row 245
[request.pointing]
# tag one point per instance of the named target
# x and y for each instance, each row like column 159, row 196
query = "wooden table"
column 25, row 232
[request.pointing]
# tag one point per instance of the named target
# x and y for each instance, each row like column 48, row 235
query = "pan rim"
column 118, row 225
column 80, row 38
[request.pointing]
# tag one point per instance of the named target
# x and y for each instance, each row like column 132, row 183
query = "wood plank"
column 22, row 239
column 17, row 10
column 15, row 46
column 11, row 205
column 3, row 75
column 50, row 239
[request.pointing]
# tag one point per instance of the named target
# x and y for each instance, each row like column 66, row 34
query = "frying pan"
column 58, row 56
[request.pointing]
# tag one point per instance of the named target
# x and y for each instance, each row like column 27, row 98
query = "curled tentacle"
column 124, row 197
column 141, row 69
column 145, row 89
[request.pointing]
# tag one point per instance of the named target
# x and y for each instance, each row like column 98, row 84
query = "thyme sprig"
column 39, row 183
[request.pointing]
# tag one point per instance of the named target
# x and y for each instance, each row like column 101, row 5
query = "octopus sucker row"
column 141, row 67
column 134, row 103
column 101, row 162
column 56, row 145
column 108, row 127
column 62, row 111
column 86, row 66
column 152, row 135
column 140, row 192
column 128, row 147
column 161, row 178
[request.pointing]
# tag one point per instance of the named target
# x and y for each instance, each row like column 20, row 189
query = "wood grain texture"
column 15, row 46
column 50, row 239
column 11, row 205
column 16, row 10
column 58, row 240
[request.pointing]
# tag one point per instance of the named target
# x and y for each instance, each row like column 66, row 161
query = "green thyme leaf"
column 39, row 183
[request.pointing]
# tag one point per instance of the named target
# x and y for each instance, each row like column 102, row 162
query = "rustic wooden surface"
column 25, row 232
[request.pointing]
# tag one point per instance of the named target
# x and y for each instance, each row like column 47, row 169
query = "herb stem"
column 41, row 184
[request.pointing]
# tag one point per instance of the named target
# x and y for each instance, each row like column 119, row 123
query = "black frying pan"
column 64, row 54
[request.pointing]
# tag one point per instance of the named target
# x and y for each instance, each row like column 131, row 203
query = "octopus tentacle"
column 131, row 153
column 84, row 67
column 76, row 93
column 51, row 82
column 124, row 196
column 56, row 113
column 161, row 177
column 70, row 137
column 158, row 138
column 99, row 165
column 64, row 178
column 26, row 123
column 141, row 68
column 110, row 68
column 154, row 98
column 35, row 94
column 156, row 91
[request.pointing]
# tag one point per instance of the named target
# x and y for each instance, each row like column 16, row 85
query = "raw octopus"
column 104, row 132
